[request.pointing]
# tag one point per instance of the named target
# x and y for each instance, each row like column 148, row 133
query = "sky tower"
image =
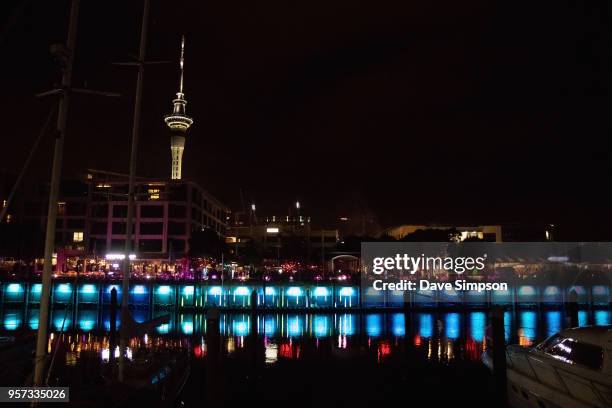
column 178, row 122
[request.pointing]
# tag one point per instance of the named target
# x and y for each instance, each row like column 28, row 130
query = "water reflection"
column 419, row 329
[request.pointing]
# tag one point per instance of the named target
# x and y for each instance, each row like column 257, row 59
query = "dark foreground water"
column 318, row 360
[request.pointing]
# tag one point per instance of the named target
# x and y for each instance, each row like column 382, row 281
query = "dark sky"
column 428, row 110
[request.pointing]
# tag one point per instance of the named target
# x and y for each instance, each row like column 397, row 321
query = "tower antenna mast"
column 178, row 122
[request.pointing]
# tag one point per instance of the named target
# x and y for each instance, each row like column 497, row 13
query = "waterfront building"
column 280, row 237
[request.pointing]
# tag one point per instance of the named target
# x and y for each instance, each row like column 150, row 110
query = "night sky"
column 413, row 111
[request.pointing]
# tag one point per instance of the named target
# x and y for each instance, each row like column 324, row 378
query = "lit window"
column 61, row 208
column 154, row 194
column 77, row 236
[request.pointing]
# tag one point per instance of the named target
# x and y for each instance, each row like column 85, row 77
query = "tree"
column 432, row 235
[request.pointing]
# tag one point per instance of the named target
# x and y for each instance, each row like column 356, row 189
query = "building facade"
column 92, row 215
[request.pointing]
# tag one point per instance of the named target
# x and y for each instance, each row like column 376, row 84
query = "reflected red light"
column 197, row 351
column 417, row 340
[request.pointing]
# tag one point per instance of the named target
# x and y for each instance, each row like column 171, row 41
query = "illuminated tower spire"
column 178, row 122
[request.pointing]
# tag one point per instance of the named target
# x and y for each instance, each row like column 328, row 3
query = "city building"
column 92, row 215
column 491, row 233
column 281, row 237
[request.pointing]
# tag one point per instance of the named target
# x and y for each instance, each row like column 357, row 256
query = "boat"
column 572, row 368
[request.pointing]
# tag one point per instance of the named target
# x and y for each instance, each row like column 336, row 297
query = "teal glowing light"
column 294, row 291
column 270, row 291
column 374, row 325
column 241, row 291
column 321, row 291
column 215, row 291
column 188, row 290
column 294, row 326
column 14, row 288
column 187, row 327
column 477, row 326
column 87, row 320
column 346, row 324
column 88, row 288
column 398, row 324
column 321, row 325
column 425, row 325
column 452, row 326
column 602, row 317
column 241, row 327
column 347, row 291
column 507, row 325
column 553, row 322
column 163, row 328
column 12, row 321
column 163, row 290
column 141, row 290
column 64, row 288
column 270, row 325
column 528, row 324
column 582, row 318
column 33, row 320
column 59, row 323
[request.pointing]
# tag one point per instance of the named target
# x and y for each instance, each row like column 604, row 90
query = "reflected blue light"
column 270, row 325
column 215, row 291
column 188, row 290
column 374, row 325
column 37, row 288
column 321, row 291
column 321, row 325
column 163, row 328
column 582, row 318
column 294, row 326
column 33, row 320
column 425, row 325
column 12, row 321
column 528, row 324
column 58, row 321
column 187, row 327
column 162, row 290
column 87, row 320
column 452, row 326
column 270, row 291
column 346, row 324
column 241, row 327
column 602, row 317
column 477, row 326
column 398, row 324
column 553, row 322
column 507, row 325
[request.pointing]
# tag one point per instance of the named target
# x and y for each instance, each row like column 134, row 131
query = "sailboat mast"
column 58, row 152
column 132, row 176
